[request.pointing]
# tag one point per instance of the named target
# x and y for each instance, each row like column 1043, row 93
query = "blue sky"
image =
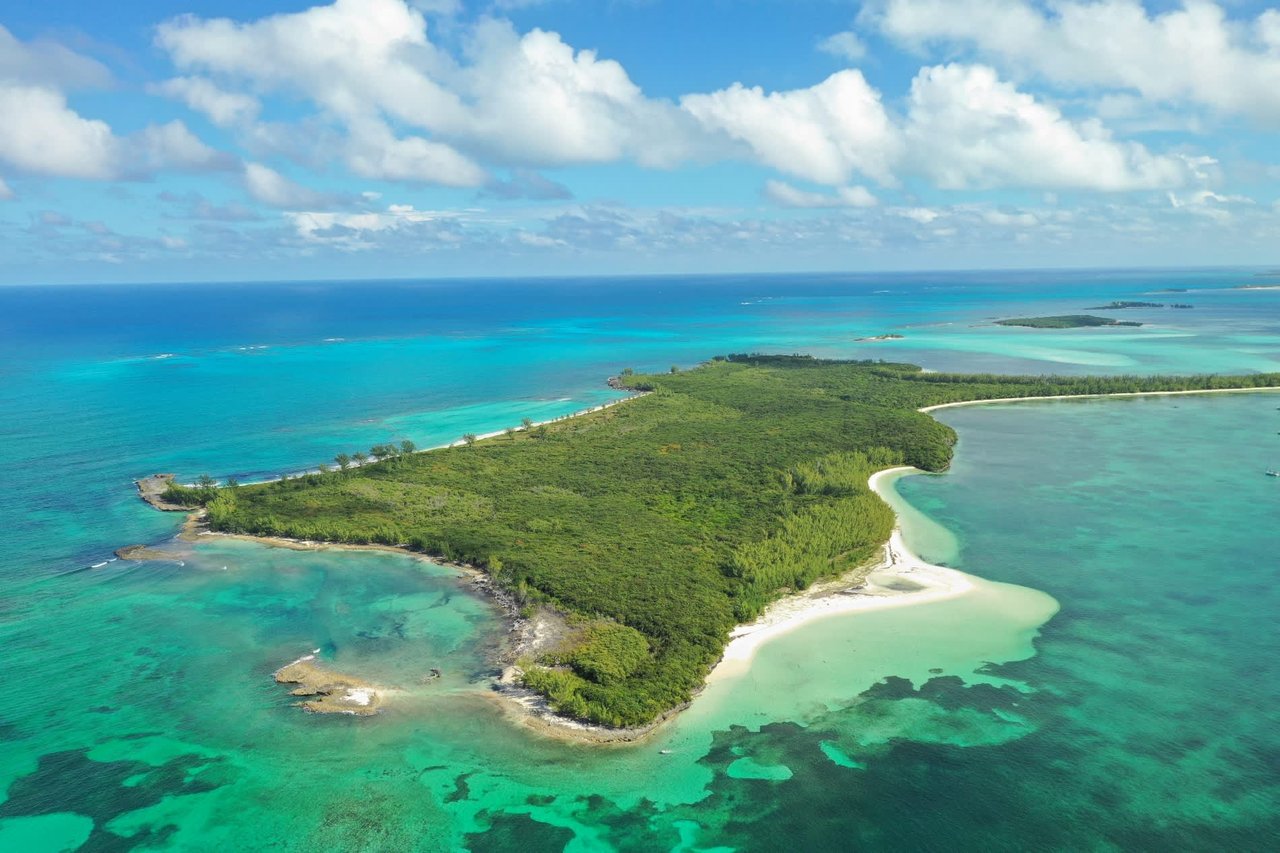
column 388, row 138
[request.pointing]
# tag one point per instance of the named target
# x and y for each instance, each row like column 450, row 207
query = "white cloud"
column 370, row 67
column 968, row 129
column 161, row 147
column 922, row 215
column 826, row 133
column 1021, row 219
column 1209, row 204
column 5, row 192
column 534, row 100
column 42, row 135
column 374, row 152
column 1194, row 54
column 370, row 229
column 844, row 45
column 45, row 63
column 223, row 108
column 272, row 188
column 787, row 195
column 391, row 105
column 363, row 62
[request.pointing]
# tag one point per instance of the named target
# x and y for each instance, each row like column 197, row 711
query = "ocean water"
column 1112, row 687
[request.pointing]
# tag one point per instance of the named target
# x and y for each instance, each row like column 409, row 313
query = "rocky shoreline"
column 151, row 489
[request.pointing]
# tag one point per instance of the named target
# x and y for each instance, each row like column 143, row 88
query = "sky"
column 198, row 140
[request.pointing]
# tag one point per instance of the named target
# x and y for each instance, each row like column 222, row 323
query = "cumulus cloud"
column 826, row 133
column 844, row 45
column 270, row 187
column 223, row 108
column 533, row 99
column 44, row 136
column 787, row 195
column 968, row 129
column 47, row 63
column 1194, row 54
column 368, row 65
column 392, row 105
column 47, row 137
column 5, row 192
column 172, row 145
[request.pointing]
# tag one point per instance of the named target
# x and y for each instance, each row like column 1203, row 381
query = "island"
column 648, row 530
column 1120, row 305
column 1064, row 321
column 875, row 338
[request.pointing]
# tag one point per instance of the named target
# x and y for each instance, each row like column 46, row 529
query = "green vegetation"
column 1122, row 304
column 1064, row 321
column 659, row 524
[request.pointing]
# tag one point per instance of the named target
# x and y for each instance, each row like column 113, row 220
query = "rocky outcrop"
column 329, row 692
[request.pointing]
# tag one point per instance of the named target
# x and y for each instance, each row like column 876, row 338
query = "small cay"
column 146, row 552
column 329, row 692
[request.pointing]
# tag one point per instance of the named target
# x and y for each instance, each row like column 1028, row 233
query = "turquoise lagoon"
column 1114, row 686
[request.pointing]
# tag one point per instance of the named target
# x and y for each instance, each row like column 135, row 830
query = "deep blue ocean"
column 138, row 711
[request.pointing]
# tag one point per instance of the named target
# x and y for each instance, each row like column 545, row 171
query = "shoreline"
column 142, row 483
column 1261, row 389
column 898, row 578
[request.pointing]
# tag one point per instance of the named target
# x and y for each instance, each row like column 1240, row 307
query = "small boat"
column 664, row 752
column 1273, row 473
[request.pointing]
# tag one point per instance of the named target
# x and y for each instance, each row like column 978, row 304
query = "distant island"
column 642, row 534
column 1257, row 287
column 879, row 338
column 1065, row 321
column 1120, row 305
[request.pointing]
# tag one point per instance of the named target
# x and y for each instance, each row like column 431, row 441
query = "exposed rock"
column 330, row 692
column 151, row 489
column 146, row 552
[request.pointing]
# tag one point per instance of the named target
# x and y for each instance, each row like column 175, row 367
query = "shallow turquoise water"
column 138, row 709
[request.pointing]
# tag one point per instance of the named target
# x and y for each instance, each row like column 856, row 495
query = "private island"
column 1064, row 321
column 644, row 532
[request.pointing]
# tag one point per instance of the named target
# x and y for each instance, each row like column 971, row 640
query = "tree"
column 360, row 458
column 407, row 447
column 511, row 433
column 343, row 461
column 233, row 483
column 469, row 439
column 527, row 423
column 204, row 481
column 628, row 371
column 675, row 368
column 541, row 432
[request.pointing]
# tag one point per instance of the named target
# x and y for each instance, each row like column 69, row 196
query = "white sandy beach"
column 901, row 579
column 1261, row 388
